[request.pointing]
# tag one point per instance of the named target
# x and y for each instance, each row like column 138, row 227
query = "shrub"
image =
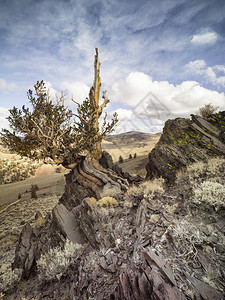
column 34, row 188
column 114, row 192
column 146, row 190
column 135, row 155
column 211, row 194
column 207, row 110
column 107, row 201
column 19, row 196
column 10, row 279
column 120, row 159
column 93, row 200
column 53, row 264
column 130, row 156
column 212, row 170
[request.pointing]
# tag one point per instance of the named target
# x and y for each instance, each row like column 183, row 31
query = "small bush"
column 211, row 194
column 53, row 264
column 34, row 188
column 146, row 190
column 114, row 192
column 19, row 196
column 130, row 156
column 212, row 170
column 135, row 155
column 120, row 159
column 10, row 279
column 207, row 110
column 107, row 201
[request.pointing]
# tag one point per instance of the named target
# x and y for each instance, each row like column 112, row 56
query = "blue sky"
column 159, row 59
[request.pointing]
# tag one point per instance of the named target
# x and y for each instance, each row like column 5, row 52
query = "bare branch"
column 106, row 101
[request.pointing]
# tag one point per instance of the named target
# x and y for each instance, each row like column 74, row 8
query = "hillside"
column 115, row 236
column 128, row 143
column 155, row 242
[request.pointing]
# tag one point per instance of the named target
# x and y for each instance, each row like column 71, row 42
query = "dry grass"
column 210, row 194
column 53, row 264
column 213, row 170
column 139, row 147
column 106, row 201
column 147, row 190
column 12, row 221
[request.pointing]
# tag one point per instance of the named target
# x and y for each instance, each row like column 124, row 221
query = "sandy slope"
column 48, row 184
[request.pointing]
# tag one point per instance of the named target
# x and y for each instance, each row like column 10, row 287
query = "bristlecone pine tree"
column 50, row 129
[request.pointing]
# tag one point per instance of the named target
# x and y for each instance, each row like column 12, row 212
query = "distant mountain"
column 131, row 137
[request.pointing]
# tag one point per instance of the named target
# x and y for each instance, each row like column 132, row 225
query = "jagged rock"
column 38, row 215
column 207, row 292
column 92, row 225
column 67, row 223
column 107, row 162
column 185, row 141
column 25, row 251
column 149, row 282
column 32, row 243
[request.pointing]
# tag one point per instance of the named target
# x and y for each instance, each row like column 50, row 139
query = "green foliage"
column 207, row 110
column 50, row 129
column 87, row 134
column 120, row 159
column 37, row 131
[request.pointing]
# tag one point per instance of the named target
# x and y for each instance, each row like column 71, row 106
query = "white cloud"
column 7, row 86
column 4, row 113
column 211, row 74
column 205, row 37
column 51, row 91
column 78, row 90
column 153, row 102
column 159, row 99
column 124, row 114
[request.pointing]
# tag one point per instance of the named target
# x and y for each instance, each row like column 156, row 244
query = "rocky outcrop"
column 33, row 242
column 71, row 216
column 107, row 163
column 148, row 246
column 185, row 141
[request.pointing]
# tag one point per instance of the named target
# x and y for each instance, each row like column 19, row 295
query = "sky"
column 160, row 59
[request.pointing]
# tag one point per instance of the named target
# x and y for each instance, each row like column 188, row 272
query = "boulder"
column 67, row 223
column 185, row 141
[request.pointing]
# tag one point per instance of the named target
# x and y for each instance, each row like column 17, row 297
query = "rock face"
column 70, row 216
column 185, row 141
column 107, row 163
column 33, row 242
column 144, row 247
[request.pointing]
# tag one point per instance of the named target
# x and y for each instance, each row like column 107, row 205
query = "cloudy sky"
column 159, row 58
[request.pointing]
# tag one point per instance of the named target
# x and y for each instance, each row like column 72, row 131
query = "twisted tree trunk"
column 88, row 178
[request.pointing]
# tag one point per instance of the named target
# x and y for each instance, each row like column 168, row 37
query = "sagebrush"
column 54, row 263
